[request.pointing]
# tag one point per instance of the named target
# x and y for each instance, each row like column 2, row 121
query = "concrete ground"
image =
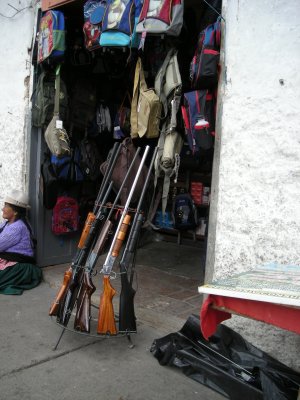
column 93, row 367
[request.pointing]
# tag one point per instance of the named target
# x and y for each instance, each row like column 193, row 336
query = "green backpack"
column 43, row 100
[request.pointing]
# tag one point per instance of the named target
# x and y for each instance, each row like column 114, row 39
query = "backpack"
column 167, row 161
column 83, row 103
column 145, row 107
column 68, row 168
column 93, row 12
column 168, row 80
column 184, row 212
column 43, row 100
column 198, row 113
column 90, row 159
column 121, row 167
column 204, row 68
column 119, row 23
column 51, row 37
column 161, row 17
column 49, row 183
column 65, row 215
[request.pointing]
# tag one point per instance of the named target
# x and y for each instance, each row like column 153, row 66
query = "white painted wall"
column 15, row 40
column 256, row 197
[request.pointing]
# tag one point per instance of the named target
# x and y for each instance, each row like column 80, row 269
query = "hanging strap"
column 133, row 115
column 57, row 90
column 162, row 80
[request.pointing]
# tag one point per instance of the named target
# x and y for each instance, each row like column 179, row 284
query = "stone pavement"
column 167, row 279
column 91, row 367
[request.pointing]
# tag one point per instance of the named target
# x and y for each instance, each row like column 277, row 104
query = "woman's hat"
column 17, row 198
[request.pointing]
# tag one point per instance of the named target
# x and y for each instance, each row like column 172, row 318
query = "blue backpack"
column 184, row 212
column 119, row 23
column 93, row 12
column 198, row 113
column 51, row 37
column 204, row 68
column 68, row 168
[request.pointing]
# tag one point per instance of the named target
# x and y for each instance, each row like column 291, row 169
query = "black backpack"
column 91, row 159
column 184, row 212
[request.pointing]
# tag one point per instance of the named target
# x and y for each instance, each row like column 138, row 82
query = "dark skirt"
column 19, row 277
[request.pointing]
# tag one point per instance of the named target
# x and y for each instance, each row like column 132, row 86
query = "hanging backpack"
column 65, row 216
column 145, row 107
column 90, row 159
column 43, row 99
column 93, row 12
column 161, row 17
column 68, row 168
column 167, row 161
column 83, row 103
column 168, row 80
column 198, row 113
column 49, row 183
column 184, row 212
column 51, row 37
column 204, row 68
column 119, row 23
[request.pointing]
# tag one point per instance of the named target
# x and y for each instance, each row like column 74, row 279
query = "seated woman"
column 17, row 246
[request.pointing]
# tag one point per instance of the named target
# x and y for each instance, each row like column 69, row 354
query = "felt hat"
column 17, row 198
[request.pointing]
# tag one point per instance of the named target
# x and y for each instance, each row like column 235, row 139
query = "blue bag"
column 93, row 12
column 51, row 37
column 198, row 113
column 119, row 23
column 68, row 168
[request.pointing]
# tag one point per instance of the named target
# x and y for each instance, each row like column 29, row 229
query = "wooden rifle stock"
column 106, row 317
column 106, row 321
column 82, row 318
column 68, row 273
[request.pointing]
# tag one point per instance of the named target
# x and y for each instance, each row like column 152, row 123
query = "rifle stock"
column 106, row 321
column 106, row 317
column 82, row 318
column 127, row 319
column 68, row 273
column 55, row 305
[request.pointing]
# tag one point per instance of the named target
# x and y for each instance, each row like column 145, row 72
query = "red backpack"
column 65, row 215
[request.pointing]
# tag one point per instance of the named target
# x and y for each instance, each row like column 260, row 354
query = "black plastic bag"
column 227, row 364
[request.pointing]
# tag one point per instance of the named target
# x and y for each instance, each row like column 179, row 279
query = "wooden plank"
column 49, row 4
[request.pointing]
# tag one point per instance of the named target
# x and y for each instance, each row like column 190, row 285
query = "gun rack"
column 94, row 318
column 115, row 281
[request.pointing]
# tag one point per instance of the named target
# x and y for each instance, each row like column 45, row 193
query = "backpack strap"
column 57, row 90
column 162, row 79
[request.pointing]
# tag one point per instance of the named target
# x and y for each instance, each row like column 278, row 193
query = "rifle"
column 127, row 319
column 82, row 318
column 85, row 238
column 106, row 317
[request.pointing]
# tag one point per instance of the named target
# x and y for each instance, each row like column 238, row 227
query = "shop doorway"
column 108, row 72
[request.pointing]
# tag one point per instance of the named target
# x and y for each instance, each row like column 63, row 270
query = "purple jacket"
column 15, row 238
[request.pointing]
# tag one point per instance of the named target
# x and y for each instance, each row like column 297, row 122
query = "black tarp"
column 227, row 363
